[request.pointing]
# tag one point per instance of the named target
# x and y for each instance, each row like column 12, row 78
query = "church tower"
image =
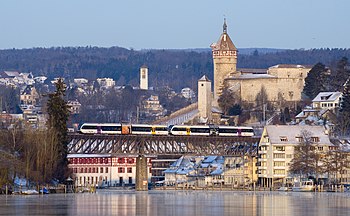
column 204, row 98
column 144, row 77
column 224, row 59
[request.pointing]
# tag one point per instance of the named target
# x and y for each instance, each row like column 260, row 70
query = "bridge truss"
column 162, row 145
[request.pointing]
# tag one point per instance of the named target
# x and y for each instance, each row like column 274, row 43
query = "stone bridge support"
column 141, row 173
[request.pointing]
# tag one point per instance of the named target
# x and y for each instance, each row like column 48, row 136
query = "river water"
column 107, row 202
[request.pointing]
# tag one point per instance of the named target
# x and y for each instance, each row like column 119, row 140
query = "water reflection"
column 178, row 203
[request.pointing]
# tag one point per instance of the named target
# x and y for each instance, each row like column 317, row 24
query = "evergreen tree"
column 344, row 112
column 58, row 112
column 316, row 80
column 226, row 100
column 340, row 74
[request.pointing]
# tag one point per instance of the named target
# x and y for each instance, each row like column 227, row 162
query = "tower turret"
column 225, row 60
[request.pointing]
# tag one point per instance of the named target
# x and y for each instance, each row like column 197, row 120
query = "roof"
column 252, row 70
column 275, row 132
column 253, row 76
column 11, row 73
column 204, row 78
column 289, row 66
column 327, row 97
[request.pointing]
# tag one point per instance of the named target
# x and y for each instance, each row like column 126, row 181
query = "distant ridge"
column 244, row 51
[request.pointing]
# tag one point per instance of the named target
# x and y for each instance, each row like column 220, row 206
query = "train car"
column 235, row 131
column 143, row 129
column 105, row 128
column 198, row 130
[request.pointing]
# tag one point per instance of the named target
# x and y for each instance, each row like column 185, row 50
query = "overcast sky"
column 167, row 24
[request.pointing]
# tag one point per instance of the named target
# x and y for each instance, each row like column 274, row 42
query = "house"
column 152, row 107
column 29, row 96
column 276, row 151
column 103, row 170
column 74, row 106
column 327, row 100
column 240, row 171
column 106, row 82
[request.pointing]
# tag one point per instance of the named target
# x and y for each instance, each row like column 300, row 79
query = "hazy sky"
column 174, row 24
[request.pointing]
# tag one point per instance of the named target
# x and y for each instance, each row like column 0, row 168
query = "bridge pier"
column 141, row 173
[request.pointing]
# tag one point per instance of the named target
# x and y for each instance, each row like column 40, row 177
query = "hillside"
column 176, row 68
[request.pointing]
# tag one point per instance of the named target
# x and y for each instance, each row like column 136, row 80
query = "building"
column 144, row 77
column 74, row 106
column 204, row 98
column 106, row 82
column 327, row 100
column 281, row 82
column 151, row 107
column 276, row 151
column 29, row 96
column 104, row 170
column 240, row 171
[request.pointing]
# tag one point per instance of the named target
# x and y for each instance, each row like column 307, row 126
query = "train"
column 176, row 130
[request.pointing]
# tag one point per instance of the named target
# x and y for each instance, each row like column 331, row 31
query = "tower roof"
column 204, row 78
column 224, row 42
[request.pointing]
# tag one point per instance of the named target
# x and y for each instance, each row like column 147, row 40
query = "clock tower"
column 225, row 61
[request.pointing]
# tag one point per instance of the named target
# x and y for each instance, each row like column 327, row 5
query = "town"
column 310, row 145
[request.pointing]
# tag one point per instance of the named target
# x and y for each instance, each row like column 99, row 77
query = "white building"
column 276, row 150
column 80, row 81
column 327, row 100
column 144, row 77
column 103, row 170
column 106, row 82
column 189, row 93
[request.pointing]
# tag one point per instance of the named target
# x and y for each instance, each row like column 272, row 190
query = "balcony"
column 262, row 152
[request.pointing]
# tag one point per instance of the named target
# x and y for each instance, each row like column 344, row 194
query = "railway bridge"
column 143, row 146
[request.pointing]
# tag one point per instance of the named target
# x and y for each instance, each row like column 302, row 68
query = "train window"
column 200, row 130
column 142, row 129
column 89, row 127
column 228, row 130
column 249, row 130
column 161, row 128
column 111, row 128
column 179, row 129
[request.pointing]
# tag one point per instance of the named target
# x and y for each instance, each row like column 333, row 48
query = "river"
column 154, row 202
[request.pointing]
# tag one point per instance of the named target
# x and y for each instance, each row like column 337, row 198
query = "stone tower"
column 225, row 60
column 144, row 77
column 204, row 98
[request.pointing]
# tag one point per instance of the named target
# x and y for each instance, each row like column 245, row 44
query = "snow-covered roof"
column 290, row 132
column 87, row 155
column 327, row 97
column 204, row 78
column 289, row 66
column 253, row 76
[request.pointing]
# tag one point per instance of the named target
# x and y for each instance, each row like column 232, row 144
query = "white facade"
column 204, row 98
column 144, row 78
column 276, row 150
column 106, row 82
column 103, row 170
column 327, row 100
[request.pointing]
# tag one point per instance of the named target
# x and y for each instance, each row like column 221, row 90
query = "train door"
column 99, row 130
column 188, row 131
column 153, row 130
column 126, row 129
column 239, row 132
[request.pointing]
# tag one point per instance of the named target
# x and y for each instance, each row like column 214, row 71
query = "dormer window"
column 315, row 139
column 283, row 138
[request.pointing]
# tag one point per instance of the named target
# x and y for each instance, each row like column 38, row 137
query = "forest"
column 174, row 68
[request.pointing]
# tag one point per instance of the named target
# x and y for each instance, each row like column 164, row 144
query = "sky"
column 163, row 24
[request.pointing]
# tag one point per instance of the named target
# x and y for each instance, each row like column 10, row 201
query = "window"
column 279, row 171
column 320, row 148
column 106, row 169
column 299, row 139
column 121, row 160
column 129, row 170
column 279, row 148
column 289, row 155
column 121, row 170
column 278, row 163
column 315, row 139
column 278, row 155
column 283, row 138
column 101, row 170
